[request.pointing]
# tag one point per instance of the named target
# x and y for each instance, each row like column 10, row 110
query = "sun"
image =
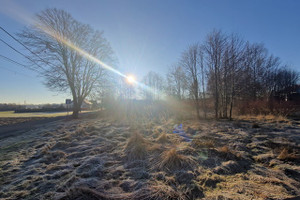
column 130, row 79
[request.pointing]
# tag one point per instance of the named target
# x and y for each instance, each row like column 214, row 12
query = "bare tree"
column 190, row 61
column 286, row 81
column 203, row 71
column 64, row 46
column 177, row 83
column 155, row 84
column 126, row 90
column 235, row 72
column 234, row 55
column 214, row 48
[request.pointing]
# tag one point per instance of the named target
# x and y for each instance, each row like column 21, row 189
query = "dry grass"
column 113, row 164
column 136, row 147
column 255, row 125
column 285, row 155
column 268, row 118
column 172, row 160
column 53, row 156
column 198, row 143
column 224, row 149
column 158, row 191
column 83, row 193
column 163, row 138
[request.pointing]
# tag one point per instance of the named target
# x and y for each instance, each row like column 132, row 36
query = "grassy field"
column 103, row 158
column 11, row 114
column 9, row 117
column 132, row 153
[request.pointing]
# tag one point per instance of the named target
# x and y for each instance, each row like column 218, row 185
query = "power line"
column 15, row 62
column 46, row 62
column 21, row 54
column 2, row 67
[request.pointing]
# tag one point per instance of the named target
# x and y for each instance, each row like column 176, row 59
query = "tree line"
column 227, row 70
column 223, row 69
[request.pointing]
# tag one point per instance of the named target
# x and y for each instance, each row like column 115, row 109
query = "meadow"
column 134, row 154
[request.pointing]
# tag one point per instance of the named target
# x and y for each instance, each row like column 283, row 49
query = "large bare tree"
column 214, row 49
column 65, row 50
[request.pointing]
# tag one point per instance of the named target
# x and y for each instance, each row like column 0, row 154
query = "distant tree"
column 177, row 83
column 126, row 90
column 155, row 86
column 285, row 80
column 233, row 57
column 54, row 40
column 190, row 60
column 203, row 79
column 214, row 49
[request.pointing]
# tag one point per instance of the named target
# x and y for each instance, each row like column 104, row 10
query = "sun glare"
column 130, row 79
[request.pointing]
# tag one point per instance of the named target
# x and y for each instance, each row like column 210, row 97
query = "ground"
column 101, row 158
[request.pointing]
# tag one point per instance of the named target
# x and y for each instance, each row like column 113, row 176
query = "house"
column 86, row 105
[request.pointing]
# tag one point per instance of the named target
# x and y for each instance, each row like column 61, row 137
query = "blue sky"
column 150, row 34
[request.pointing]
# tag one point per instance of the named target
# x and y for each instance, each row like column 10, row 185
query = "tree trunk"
column 76, row 107
column 216, row 95
column 197, row 109
column 230, row 112
column 75, row 112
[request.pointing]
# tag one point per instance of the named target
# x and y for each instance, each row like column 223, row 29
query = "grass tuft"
column 172, row 160
column 80, row 193
column 285, row 155
column 163, row 138
column 224, row 149
column 198, row 143
column 53, row 156
column 136, row 147
column 157, row 191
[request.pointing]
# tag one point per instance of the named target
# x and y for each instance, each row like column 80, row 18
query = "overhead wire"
column 9, row 34
column 22, row 54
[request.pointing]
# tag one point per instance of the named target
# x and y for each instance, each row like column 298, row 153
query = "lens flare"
column 22, row 16
column 130, row 79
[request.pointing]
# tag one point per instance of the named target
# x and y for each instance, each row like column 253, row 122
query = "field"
column 101, row 157
column 10, row 117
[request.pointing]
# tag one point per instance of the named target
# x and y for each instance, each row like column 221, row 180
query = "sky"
column 148, row 35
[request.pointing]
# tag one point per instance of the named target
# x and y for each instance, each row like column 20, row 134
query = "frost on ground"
column 105, row 159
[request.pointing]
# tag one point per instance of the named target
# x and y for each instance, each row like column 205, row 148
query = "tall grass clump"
column 158, row 191
column 163, row 138
column 172, row 160
column 136, row 147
